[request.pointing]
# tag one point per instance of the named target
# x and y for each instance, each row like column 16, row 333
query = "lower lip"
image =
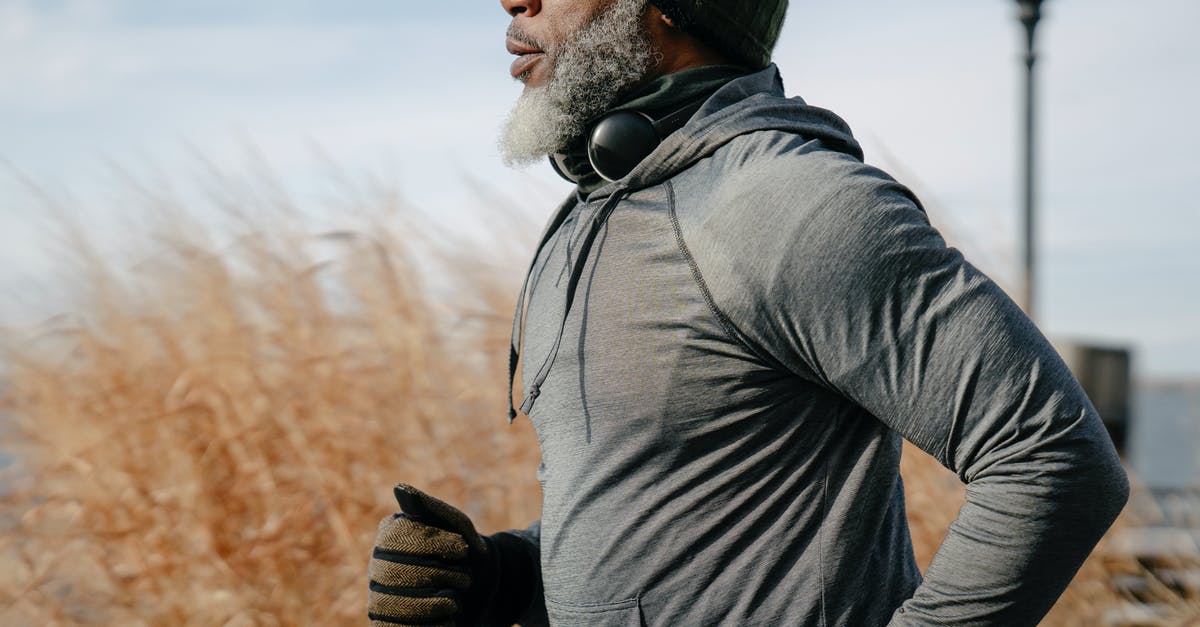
column 524, row 63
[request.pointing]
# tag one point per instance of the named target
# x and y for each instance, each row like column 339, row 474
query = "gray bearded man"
column 725, row 333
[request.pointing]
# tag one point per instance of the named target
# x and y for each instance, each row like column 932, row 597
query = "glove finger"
column 391, row 573
column 399, row 609
column 402, row 535
column 431, row 511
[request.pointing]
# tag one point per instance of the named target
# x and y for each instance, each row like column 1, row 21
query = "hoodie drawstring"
column 518, row 334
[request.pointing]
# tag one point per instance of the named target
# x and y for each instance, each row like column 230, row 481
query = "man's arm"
column 525, row 551
column 935, row 350
column 851, row 287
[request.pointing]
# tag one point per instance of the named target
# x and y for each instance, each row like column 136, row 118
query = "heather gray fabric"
column 759, row 322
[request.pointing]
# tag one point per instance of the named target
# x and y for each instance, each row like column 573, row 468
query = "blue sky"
column 416, row 91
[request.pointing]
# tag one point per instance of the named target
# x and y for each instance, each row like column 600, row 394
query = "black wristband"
column 516, row 572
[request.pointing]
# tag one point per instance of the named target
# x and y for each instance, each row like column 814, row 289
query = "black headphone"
column 620, row 140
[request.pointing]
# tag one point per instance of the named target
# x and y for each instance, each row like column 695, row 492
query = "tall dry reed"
column 211, row 436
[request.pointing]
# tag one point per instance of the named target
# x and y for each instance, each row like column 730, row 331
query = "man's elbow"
column 1101, row 482
column 1080, row 480
column 1099, row 487
column 1111, row 487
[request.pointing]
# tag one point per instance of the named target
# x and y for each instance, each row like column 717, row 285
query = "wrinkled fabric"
column 760, row 321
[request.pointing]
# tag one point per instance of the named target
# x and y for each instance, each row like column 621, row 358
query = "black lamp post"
column 1030, row 13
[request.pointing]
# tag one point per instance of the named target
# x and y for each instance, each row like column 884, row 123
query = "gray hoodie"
column 759, row 318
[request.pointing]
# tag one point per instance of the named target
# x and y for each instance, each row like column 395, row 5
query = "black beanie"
column 746, row 31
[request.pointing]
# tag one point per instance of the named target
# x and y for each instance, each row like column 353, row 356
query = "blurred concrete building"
column 1106, row 375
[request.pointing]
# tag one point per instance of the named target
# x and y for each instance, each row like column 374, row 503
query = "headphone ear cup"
column 620, row 141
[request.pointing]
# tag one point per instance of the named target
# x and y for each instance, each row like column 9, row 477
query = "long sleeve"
column 520, row 568
column 848, row 285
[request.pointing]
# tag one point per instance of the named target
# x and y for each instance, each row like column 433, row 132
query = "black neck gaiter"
column 657, row 99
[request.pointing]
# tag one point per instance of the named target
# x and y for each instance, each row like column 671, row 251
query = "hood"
column 754, row 102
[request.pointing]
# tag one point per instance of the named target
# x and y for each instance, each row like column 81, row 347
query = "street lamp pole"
column 1030, row 14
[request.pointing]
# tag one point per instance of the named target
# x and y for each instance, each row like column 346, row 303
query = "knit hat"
column 744, row 30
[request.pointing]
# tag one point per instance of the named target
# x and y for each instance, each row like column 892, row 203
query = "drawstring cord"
column 518, row 332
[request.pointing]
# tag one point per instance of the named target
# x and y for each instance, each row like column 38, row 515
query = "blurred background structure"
column 1030, row 15
column 281, row 121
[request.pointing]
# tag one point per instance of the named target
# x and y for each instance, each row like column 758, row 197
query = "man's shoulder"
column 775, row 204
column 787, row 180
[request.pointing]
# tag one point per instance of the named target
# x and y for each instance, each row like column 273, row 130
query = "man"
column 727, row 334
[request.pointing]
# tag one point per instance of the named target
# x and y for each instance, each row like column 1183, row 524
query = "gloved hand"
column 430, row 567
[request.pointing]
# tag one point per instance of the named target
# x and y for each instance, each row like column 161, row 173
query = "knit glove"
column 431, row 568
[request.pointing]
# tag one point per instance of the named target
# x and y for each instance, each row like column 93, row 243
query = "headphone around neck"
column 620, row 140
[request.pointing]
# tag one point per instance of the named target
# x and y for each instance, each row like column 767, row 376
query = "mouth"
column 527, row 57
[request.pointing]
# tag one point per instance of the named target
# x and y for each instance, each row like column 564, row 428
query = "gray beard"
column 592, row 68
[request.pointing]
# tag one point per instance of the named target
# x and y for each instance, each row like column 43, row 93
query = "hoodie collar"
column 657, row 99
column 750, row 103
